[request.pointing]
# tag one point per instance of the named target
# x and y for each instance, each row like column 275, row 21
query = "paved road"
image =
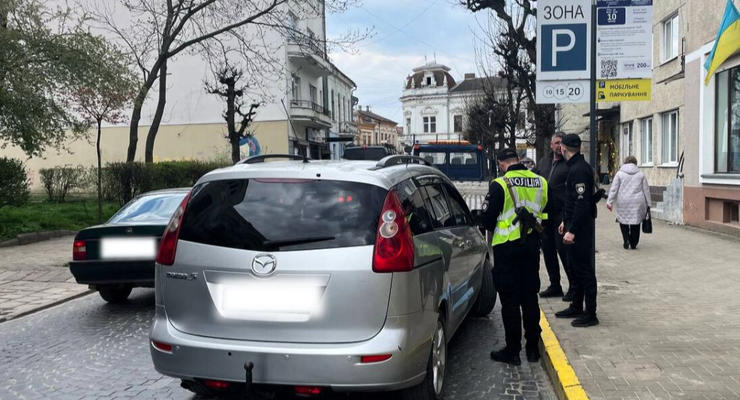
column 88, row 349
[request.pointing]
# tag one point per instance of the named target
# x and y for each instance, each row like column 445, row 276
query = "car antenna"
column 290, row 121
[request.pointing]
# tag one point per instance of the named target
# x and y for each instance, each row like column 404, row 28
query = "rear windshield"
column 148, row 209
column 464, row 158
column 280, row 214
column 376, row 154
column 434, row 157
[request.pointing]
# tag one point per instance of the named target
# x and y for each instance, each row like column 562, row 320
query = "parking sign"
column 564, row 40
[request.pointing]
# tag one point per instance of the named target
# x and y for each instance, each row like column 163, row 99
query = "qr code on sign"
column 608, row 68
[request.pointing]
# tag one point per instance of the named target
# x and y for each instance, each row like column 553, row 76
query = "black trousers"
column 552, row 247
column 584, row 272
column 630, row 234
column 516, row 275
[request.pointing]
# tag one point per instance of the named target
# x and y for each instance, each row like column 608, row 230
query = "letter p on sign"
column 557, row 48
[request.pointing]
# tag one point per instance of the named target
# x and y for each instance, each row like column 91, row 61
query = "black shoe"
column 570, row 312
column 633, row 247
column 626, row 245
column 568, row 296
column 505, row 356
column 533, row 354
column 552, row 292
column 585, row 321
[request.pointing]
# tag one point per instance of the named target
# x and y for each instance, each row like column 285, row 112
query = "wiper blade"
column 296, row 241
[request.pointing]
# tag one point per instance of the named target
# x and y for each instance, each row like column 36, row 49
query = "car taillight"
column 79, row 250
column 394, row 244
column 168, row 244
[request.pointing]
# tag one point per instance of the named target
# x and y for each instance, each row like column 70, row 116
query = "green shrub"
column 60, row 181
column 123, row 181
column 13, row 182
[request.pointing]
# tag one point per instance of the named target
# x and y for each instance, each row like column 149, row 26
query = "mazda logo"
column 264, row 264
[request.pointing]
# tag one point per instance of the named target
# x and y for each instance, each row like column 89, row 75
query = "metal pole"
column 593, row 135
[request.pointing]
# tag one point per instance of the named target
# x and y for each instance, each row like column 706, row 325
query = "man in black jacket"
column 578, row 227
column 554, row 168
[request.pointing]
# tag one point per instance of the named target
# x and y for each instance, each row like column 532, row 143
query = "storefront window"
column 727, row 139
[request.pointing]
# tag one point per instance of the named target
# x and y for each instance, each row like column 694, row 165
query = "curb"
column 564, row 379
column 45, row 306
column 28, row 238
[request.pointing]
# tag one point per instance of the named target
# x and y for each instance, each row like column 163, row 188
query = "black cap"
column 572, row 140
column 506, row 154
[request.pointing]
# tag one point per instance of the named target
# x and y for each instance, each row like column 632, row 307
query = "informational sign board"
column 624, row 32
column 623, row 90
column 564, row 40
column 563, row 51
column 566, row 91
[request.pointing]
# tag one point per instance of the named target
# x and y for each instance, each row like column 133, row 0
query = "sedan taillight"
column 79, row 250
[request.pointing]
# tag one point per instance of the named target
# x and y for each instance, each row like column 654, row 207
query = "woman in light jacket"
column 631, row 193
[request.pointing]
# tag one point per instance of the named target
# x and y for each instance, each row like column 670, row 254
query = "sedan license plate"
column 128, row 248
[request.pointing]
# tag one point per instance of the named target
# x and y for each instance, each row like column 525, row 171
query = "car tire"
column 486, row 296
column 433, row 385
column 114, row 294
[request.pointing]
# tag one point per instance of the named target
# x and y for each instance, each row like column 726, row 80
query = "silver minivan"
column 318, row 277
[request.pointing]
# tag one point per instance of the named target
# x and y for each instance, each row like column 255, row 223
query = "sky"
column 404, row 32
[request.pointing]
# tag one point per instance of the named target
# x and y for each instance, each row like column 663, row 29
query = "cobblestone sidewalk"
column 670, row 317
column 35, row 276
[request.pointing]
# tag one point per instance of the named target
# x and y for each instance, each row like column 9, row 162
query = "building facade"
column 375, row 130
column 307, row 108
column 434, row 104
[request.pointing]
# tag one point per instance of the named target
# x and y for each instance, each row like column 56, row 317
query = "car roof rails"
column 262, row 157
column 399, row 159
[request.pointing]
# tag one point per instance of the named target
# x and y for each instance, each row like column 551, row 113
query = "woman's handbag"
column 647, row 223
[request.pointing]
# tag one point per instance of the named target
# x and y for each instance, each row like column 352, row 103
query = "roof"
column 167, row 191
column 376, row 116
column 343, row 170
column 414, row 81
column 477, row 84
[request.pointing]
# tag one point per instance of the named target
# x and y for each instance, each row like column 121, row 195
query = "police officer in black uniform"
column 577, row 228
column 515, row 271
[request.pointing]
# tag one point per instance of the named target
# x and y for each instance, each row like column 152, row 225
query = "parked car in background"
column 118, row 255
column 317, row 277
column 374, row 153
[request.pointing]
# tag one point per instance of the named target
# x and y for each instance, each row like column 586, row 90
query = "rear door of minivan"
column 284, row 260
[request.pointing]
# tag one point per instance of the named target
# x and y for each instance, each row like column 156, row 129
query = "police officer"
column 577, row 229
column 513, row 209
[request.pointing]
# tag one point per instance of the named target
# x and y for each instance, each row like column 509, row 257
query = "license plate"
column 286, row 301
column 128, row 248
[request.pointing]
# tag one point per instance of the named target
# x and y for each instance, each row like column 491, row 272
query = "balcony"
column 308, row 55
column 312, row 113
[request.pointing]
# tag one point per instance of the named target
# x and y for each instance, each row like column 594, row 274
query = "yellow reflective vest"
column 530, row 192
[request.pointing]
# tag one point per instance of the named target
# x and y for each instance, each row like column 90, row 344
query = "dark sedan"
column 119, row 255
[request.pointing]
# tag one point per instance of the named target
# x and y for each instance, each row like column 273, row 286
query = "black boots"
column 533, row 353
column 568, row 296
column 570, row 312
column 552, row 291
column 506, row 356
column 585, row 320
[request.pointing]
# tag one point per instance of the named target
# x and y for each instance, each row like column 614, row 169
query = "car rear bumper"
column 330, row 365
column 99, row 272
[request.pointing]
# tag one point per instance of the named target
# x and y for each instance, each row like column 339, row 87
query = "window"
column 429, row 81
column 430, row 124
column 646, row 139
column 457, row 123
column 333, row 109
column 312, row 92
column 627, row 139
column 458, row 207
column 727, row 139
column 436, row 158
column 413, row 205
column 670, row 38
column 669, row 137
column 155, row 208
column 408, row 126
column 296, row 87
column 442, row 215
column 466, row 158
column 313, row 214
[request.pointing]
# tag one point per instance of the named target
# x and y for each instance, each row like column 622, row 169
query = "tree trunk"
column 136, row 114
column 100, row 178
column 231, row 119
column 152, row 135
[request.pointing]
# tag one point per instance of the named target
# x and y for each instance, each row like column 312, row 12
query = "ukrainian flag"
column 727, row 42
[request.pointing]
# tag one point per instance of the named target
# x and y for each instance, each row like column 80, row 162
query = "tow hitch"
column 248, row 390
